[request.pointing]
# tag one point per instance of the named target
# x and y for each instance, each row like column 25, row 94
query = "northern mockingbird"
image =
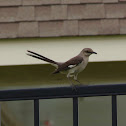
column 72, row 67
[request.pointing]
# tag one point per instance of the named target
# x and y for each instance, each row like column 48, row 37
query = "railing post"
column 75, row 111
column 36, row 112
column 114, row 110
column 0, row 115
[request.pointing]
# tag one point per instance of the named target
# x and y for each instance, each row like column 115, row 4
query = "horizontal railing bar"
column 56, row 97
column 63, row 92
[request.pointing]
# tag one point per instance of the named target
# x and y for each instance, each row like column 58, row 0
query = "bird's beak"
column 94, row 53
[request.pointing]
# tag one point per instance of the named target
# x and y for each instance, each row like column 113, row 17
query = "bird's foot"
column 72, row 84
column 78, row 82
column 74, row 87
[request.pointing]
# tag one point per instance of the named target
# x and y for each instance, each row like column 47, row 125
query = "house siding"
column 55, row 18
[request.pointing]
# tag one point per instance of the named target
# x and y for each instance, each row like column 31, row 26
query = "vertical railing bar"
column 0, row 115
column 75, row 111
column 114, row 110
column 36, row 112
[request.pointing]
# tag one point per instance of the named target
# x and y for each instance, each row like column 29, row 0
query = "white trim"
column 108, row 49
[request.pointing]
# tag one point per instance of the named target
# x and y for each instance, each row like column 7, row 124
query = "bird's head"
column 88, row 51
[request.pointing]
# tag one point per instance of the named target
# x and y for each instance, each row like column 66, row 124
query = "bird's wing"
column 73, row 62
column 70, row 64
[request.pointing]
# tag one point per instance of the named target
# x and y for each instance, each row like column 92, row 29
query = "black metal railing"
column 66, row 92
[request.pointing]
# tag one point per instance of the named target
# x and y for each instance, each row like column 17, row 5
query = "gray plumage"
column 71, row 67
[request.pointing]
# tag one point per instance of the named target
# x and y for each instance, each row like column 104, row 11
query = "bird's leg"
column 73, row 86
column 78, row 82
column 70, row 81
column 75, row 78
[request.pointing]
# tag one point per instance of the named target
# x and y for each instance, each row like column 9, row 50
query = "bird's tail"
column 38, row 56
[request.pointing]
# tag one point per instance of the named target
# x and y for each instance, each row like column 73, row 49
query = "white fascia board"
column 13, row 52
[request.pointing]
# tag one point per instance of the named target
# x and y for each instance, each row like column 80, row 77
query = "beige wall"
column 31, row 76
column 45, row 18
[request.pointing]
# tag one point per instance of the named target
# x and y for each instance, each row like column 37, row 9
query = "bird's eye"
column 87, row 52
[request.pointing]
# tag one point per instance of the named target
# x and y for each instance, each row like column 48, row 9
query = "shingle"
column 76, row 11
column 28, row 29
column 59, row 12
column 109, row 26
column 26, row 13
column 91, row 1
column 48, row 29
column 115, row 10
column 43, row 13
column 89, row 27
column 94, row 11
column 88, row 11
column 122, row 26
column 8, row 30
column 8, row 14
column 110, row 1
column 70, row 1
column 70, row 28
column 10, row 2
column 40, row 2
